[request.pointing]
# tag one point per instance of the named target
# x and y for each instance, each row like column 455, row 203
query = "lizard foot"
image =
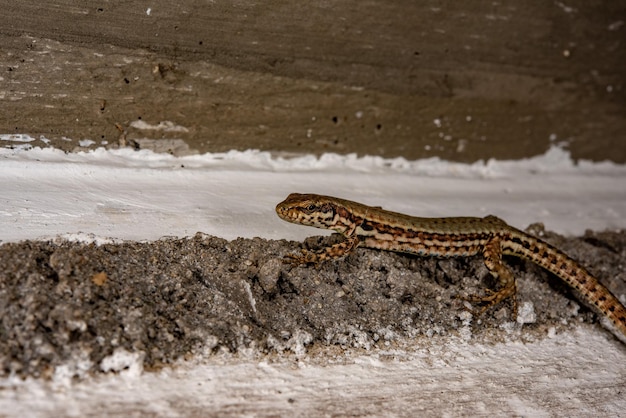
column 491, row 299
column 305, row 257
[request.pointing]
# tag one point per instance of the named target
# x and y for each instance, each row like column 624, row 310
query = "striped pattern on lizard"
column 374, row 227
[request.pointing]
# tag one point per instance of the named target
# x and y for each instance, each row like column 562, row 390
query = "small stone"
column 269, row 273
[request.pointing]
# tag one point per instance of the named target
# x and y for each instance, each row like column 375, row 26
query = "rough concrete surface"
column 458, row 80
column 75, row 305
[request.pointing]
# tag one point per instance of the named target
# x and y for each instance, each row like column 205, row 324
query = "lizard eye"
column 310, row 208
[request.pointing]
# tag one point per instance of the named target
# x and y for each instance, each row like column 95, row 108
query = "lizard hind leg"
column 492, row 253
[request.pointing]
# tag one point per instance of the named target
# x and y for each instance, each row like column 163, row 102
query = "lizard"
column 376, row 228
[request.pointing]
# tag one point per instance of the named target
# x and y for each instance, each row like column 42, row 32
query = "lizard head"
column 312, row 210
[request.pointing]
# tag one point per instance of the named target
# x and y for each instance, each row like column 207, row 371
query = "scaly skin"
column 374, row 227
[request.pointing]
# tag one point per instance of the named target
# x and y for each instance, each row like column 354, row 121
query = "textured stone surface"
column 458, row 80
column 75, row 304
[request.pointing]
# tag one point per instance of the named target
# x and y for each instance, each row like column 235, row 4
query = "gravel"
column 83, row 307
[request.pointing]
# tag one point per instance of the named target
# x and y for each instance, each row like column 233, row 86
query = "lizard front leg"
column 333, row 252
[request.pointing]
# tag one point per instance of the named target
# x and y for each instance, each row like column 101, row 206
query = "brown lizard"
column 374, row 227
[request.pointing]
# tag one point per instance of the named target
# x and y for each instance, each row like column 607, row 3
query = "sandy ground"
column 74, row 305
column 206, row 327
column 461, row 81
